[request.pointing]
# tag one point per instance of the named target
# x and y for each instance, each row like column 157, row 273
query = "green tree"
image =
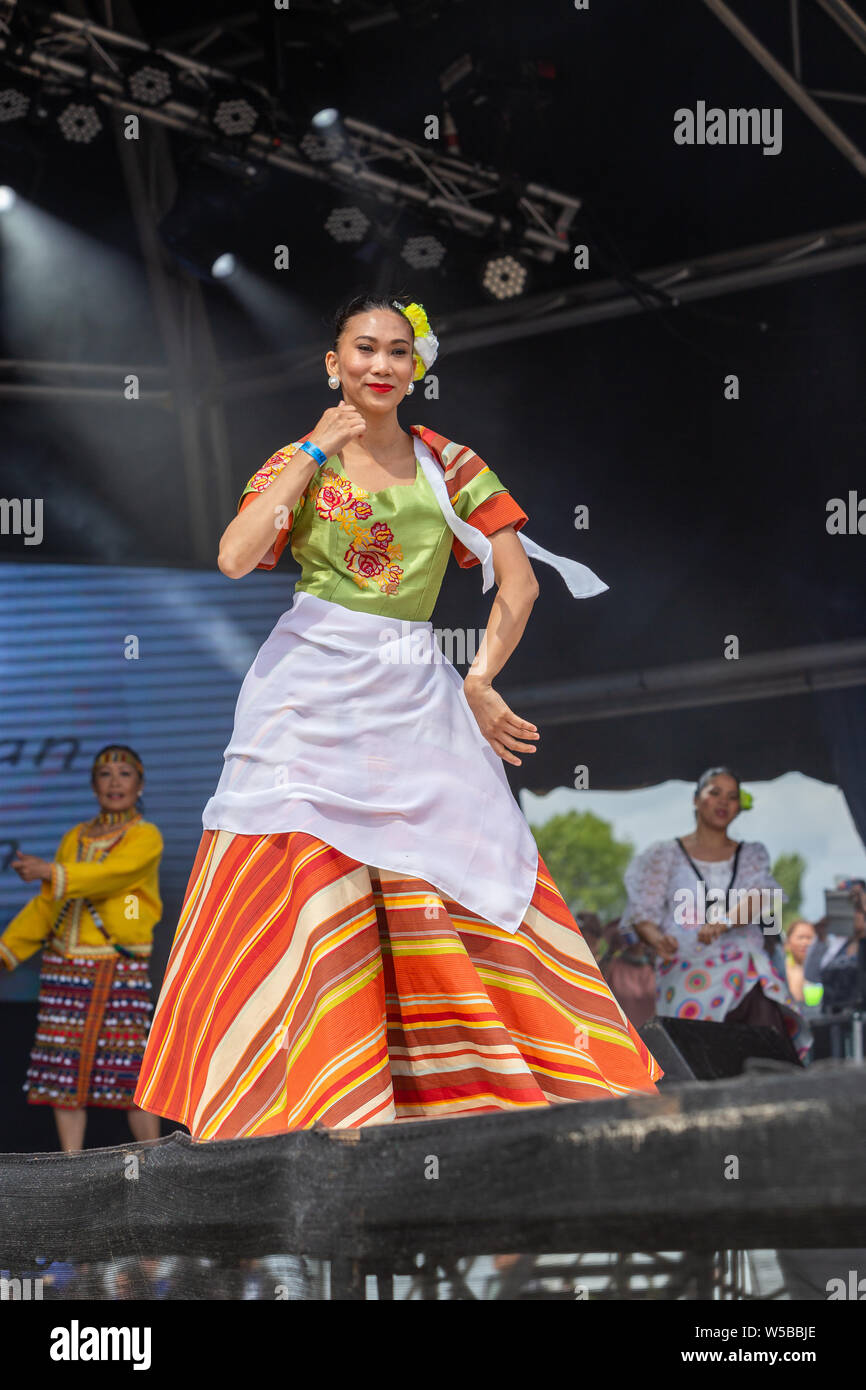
column 586, row 862
column 788, row 870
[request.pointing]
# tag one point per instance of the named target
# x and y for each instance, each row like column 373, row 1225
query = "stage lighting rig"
column 319, row 143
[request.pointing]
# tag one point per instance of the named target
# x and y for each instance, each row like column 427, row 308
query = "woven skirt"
column 305, row 987
column 91, row 1032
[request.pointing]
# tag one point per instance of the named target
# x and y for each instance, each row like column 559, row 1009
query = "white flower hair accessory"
column 426, row 345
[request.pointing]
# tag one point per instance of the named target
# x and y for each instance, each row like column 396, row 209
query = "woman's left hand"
column 502, row 728
column 30, row 868
column 710, row 932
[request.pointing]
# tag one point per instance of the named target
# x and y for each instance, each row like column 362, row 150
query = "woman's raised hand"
column 338, row 425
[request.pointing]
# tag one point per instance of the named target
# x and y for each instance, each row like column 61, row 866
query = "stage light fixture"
column 504, row 277
column 234, row 116
column 326, row 118
column 150, row 83
column 322, row 148
column 14, row 103
column 423, row 252
column 79, row 122
column 8, row 198
column 224, row 266
column 347, row 224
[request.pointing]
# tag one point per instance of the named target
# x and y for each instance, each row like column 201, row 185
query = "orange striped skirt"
column 305, row 987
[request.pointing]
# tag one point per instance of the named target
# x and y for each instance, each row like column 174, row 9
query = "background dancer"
column 94, row 918
column 716, row 966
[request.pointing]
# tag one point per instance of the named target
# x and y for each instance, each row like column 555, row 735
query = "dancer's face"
column 375, row 349
column 718, row 802
column 117, row 786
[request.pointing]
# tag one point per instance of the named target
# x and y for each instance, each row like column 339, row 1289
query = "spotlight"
column 14, row 103
column 504, row 277
column 151, row 83
column 79, row 123
column 347, row 224
column 224, row 266
column 234, row 116
column 423, row 252
column 326, row 118
column 8, row 198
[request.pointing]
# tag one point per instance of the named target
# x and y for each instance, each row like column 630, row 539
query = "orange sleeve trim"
column 269, row 560
column 489, row 516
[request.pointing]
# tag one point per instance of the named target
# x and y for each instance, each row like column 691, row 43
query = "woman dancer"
column 713, row 960
column 369, row 933
column 94, row 917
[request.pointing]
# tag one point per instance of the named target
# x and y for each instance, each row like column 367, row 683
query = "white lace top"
column 653, row 878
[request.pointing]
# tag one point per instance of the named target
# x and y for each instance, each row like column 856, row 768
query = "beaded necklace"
column 106, row 819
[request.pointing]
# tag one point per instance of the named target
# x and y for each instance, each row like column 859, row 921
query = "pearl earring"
column 410, row 388
column 334, row 382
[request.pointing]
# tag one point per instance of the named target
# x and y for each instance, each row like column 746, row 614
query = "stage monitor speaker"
column 697, row 1050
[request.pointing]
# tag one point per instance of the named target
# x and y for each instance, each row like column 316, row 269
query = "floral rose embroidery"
column 330, row 503
column 268, row 471
column 372, row 553
column 368, row 563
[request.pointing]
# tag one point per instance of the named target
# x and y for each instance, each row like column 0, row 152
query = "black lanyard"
column 700, row 876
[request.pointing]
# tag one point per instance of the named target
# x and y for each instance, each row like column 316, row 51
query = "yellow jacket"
column 124, row 889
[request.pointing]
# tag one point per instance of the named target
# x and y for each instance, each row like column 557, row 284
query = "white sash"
column 581, row 581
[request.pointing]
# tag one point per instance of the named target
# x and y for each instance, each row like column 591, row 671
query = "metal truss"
column 662, row 287
column 696, row 684
column 371, row 161
column 82, row 54
column 851, row 24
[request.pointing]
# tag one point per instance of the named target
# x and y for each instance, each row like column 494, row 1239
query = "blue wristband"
column 314, row 452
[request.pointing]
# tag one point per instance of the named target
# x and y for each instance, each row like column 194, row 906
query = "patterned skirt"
column 306, row 987
column 712, row 986
column 90, row 1037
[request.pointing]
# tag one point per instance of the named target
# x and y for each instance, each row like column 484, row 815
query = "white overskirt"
column 355, row 729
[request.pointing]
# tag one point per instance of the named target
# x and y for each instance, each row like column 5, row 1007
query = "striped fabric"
column 304, row 987
column 461, row 466
column 92, row 1028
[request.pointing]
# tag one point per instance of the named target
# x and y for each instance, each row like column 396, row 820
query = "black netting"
column 759, row 1163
